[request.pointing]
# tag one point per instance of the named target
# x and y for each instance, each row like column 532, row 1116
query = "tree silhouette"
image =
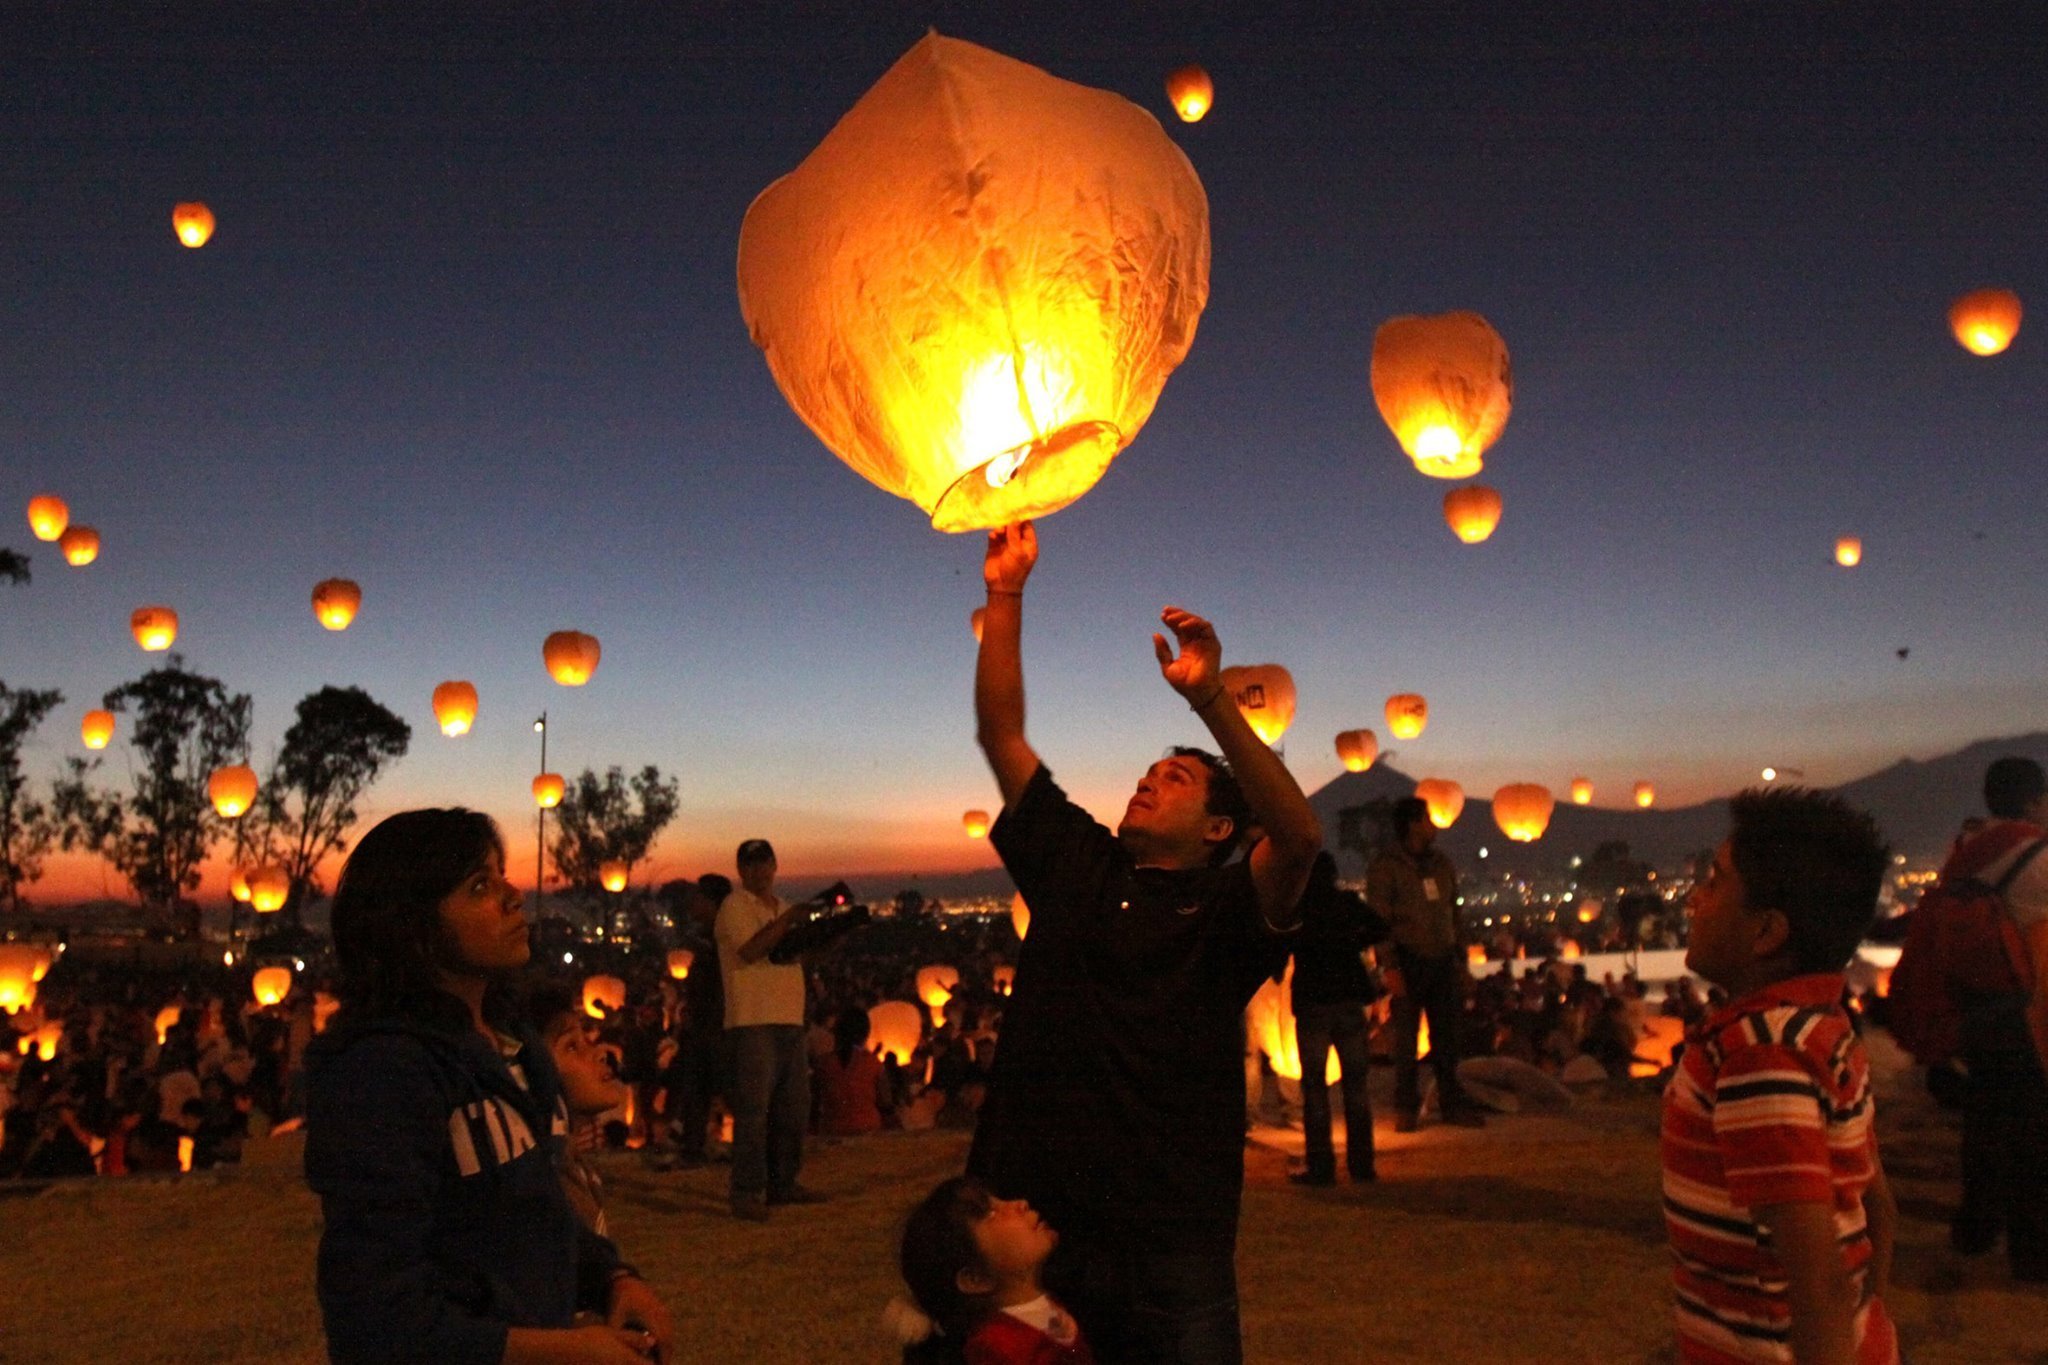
column 333, row 752
column 27, row 827
column 14, row 566
column 612, row 817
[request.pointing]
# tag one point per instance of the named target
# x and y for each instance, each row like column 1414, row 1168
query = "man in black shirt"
column 1116, row 1104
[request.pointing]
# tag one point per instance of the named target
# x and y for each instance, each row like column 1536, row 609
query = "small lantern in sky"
column 271, row 985
column 270, row 886
column 935, row 986
column 80, row 545
column 1986, row 321
column 1445, row 799
column 1582, row 791
column 680, row 960
column 154, row 628
column 96, row 730
column 1475, row 954
column 1264, row 694
column 336, row 602
column 48, row 515
column 1191, row 93
column 895, row 1028
column 232, row 791
column 1849, row 551
column 1472, row 512
column 611, row 875
column 548, row 790
column 603, row 996
column 1357, row 749
column 571, row 657
column 1522, row 810
column 1445, row 388
column 1646, row 795
column 455, row 707
column 974, row 289
column 193, row 223
column 1407, row 714
column 975, row 822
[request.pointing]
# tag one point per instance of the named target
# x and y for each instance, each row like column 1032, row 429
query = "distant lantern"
column 680, row 960
column 1570, row 951
column 1191, row 93
column 603, row 996
column 1646, row 795
column 1444, row 386
column 1072, row 237
column 1445, row 799
column 1357, row 749
column 154, row 628
column 271, row 985
column 611, row 874
column 895, row 1028
column 1472, row 512
column 974, row 621
column 1020, row 915
column 1582, row 791
column 238, row 885
column 1003, row 978
column 1589, row 911
column 166, row 1020
column 1849, row 551
column 18, row 976
column 336, row 602
column 1475, row 954
column 270, row 886
column 80, row 545
column 1986, row 321
column 232, row 791
column 935, row 986
column 1522, row 810
column 48, row 515
column 975, row 822
column 193, row 223
column 96, row 730
column 1407, row 714
column 1264, row 694
column 548, row 790
column 455, row 707
column 571, row 657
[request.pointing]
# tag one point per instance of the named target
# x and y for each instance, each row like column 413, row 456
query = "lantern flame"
column 193, row 223
column 1582, row 791
column 154, row 628
column 271, row 985
column 1986, row 321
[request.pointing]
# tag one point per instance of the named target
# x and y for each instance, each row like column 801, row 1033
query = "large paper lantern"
column 270, row 886
column 48, row 515
column 571, row 657
column 1986, row 321
column 548, row 790
column 1472, row 512
column 80, row 545
column 1445, row 799
column 611, row 874
column 975, row 287
column 271, row 985
column 455, row 707
column 603, row 996
column 1522, row 810
column 680, row 960
column 336, row 602
column 18, row 976
column 1646, row 795
column 1444, row 386
column 935, row 986
column 154, row 628
column 1264, row 694
column 1582, row 791
column 232, row 791
column 96, row 730
column 1191, row 93
column 895, row 1028
column 1407, row 714
column 975, row 822
column 1849, row 551
column 1269, row 1022
column 1357, row 749
column 193, row 223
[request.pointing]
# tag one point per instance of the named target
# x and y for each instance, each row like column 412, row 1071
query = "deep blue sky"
column 468, row 333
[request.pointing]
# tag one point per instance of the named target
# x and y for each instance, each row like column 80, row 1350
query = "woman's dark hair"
column 547, row 1002
column 1814, row 859
column 938, row 1243
column 850, row 1033
column 386, row 917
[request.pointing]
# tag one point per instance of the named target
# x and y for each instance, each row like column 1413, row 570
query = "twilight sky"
column 468, row 333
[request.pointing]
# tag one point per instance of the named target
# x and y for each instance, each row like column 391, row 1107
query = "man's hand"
column 1194, row 673
column 1012, row 551
column 636, row 1307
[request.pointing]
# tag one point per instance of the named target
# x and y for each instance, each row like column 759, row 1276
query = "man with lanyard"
column 1116, row 1105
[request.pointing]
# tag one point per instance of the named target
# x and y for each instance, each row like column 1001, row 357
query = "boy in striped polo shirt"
column 1780, row 1219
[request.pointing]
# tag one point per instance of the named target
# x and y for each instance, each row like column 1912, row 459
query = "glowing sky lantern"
column 270, row 886
column 96, row 729
column 455, row 707
column 974, row 620
column 571, row 657
column 1522, row 810
column 603, row 995
column 1191, row 93
column 193, row 223
column 935, row 986
column 1589, row 911
column 548, row 790
column 154, row 628
column 611, row 874
column 166, row 1020
column 1264, row 694
column 975, row 822
column 1407, row 714
column 1357, row 750
column 1646, row 795
column 1003, row 978
column 1849, row 551
column 1582, row 791
column 271, row 985
column 18, row 976
column 232, row 791
column 1472, row 512
column 48, row 516
column 1986, row 321
column 680, row 960
column 1445, row 799
column 336, row 602
column 1020, row 916
column 1445, row 388
column 1072, row 239
column 1570, row 951
column 238, row 885
column 1475, row 954
column 80, row 545
column 1269, row 1022
column 895, row 1028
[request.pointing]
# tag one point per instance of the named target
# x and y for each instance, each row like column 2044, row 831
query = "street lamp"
column 1773, row 774
column 540, row 830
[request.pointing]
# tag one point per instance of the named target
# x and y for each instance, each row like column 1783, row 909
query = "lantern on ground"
column 1072, row 240
column 571, row 657
column 1444, row 386
column 1588, row 911
column 1191, row 93
column 48, row 515
column 1472, row 512
column 455, row 707
column 336, row 602
column 1570, row 951
column 18, row 976
column 1656, row 1045
column 154, row 628
column 96, row 729
column 975, row 822
column 680, row 960
column 974, row 620
column 1264, row 694
column 603, row 996
column 232, row 791
column 611, row 874
column 1849, row 551
column 270, row 886
column 1582, row 791
column 80, row 545
column 238, row 885
column 1445, row 799
column 166, row 1020
column 271, row 985
column 1646, row 795
column 895, row 1028
column 193, row 223
column 1407, row 714
column 548, row 790
column 1020, row 916
column 1357, row 749
column 1475, row 954
column 1004, row 978
column 935, row 986
column 1522, row 810
column 1986, row 321
column 45, row 1040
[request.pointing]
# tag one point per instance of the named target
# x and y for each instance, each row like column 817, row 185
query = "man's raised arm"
column 999, row 669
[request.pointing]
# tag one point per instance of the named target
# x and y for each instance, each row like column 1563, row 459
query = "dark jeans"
column 1152, row 1308
column 771, row 1105
column 1430, row 987
column 694, row 1080
column 1317, row 1029
column 2005, row 1144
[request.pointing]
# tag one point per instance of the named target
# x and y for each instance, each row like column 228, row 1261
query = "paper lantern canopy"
column 455, row 707
column 1357, row 750
column 1849, row 551
column 895, row 1028
column 80, row 545
column 571, row 657
column 680, row 960
column 193, row 223
column 1445, row 388
column 1191, row 93
column 20, row 970
column 48, row 515
column 271, row 985
column 975, row 287
column 1407, row 714
column 270, row 886
column 548, row 790
column 1472, row 512
column 1582, row 791
column 96, row 730
column 336, row 602
column 975, row 822
column 1445, row 799
column 1522, row 810
column 611, row 874
column 1264, row 694
column 1646, row 795
column 1986, row 321
column 154, row 628
column 232, row 791
column 603, row 996
column 935, row 986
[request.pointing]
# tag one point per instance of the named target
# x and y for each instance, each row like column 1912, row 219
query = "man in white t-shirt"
column 764, row 1037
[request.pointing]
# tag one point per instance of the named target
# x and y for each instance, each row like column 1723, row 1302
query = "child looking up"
column 973, row 1262
column 1780, row 1219
column 590, row 1088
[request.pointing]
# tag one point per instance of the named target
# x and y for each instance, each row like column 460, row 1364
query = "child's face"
column 1724, row 936
column 588, row 1085
column 1013, row 1240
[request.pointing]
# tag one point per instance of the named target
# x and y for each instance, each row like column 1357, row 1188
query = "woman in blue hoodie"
column 433, row 1120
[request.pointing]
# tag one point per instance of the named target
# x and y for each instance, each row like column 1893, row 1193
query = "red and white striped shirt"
column 1770, row 1104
